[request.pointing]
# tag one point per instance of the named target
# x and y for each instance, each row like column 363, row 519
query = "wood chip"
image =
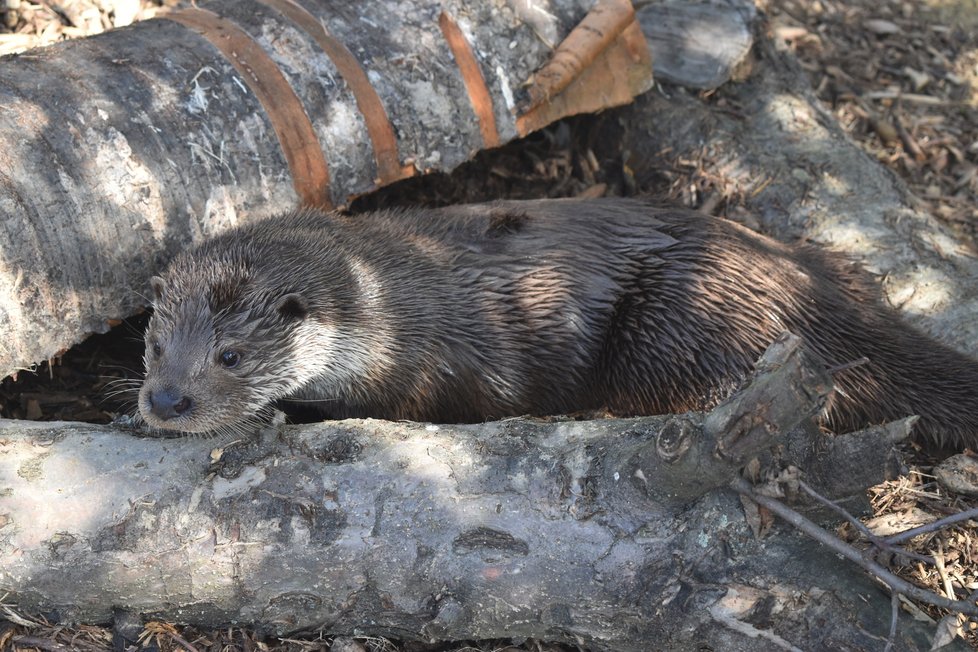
column 881, row 27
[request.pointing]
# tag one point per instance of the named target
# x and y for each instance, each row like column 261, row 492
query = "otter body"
column 480, row 312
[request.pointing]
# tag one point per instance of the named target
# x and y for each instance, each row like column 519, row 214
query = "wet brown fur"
column 480, row 312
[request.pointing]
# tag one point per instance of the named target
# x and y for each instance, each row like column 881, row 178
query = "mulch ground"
column 901, row 77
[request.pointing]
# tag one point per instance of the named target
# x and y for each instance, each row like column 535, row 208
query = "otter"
column 478, row 312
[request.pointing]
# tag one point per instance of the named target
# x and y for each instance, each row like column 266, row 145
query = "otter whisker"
column 309, row 401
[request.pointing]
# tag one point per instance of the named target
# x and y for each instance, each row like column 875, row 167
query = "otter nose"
column 168, row 404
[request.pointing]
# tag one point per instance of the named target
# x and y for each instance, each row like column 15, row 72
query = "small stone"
column 959, row 474
column 881, row 27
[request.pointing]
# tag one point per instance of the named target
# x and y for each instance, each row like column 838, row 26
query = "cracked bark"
column 610, row 533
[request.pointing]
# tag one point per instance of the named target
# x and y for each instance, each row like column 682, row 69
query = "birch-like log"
column 609, row 533
column 118, row 150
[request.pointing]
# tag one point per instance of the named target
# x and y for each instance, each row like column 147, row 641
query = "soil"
column 902, row 79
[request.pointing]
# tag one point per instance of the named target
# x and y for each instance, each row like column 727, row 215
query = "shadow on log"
column 610, row 533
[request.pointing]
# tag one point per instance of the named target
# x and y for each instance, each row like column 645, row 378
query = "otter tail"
column 887, row 369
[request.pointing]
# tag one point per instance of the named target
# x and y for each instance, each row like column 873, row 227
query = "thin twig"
column 915, row 98
column 879, row 542
column 942, row 571
column 894, row 617
column 834, row 543
column 181, row 641
column 41, row 643
column 933, row 526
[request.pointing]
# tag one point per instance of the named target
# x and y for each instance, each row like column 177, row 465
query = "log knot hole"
column 344, row 448
column 675, row 439
column 484, row 538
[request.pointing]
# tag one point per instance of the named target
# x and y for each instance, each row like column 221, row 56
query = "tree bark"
column 119, row 150
column 611, row 534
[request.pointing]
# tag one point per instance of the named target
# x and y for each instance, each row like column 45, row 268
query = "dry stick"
column 915, row 98
column 41, row 643
column 942, row 570
column 933, row 526
column 894, row 617
column 879, row 542
column 819, row 534
column 909, row 142
column 180, row 641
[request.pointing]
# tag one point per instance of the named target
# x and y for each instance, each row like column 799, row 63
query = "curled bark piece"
column 375, row 118
column 310, row 174
column 594, row 35
column 475, row 83
column 601, row 62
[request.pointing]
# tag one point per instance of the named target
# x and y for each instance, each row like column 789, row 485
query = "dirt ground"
column 901, row 77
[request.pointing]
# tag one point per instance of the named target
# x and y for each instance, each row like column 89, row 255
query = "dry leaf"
column 947, row 630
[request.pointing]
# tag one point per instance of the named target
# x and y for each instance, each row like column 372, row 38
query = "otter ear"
column 293, row 305
column 157, row 284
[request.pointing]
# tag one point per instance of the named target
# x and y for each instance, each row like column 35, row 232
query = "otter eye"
column 230, row 359
column 157, row 349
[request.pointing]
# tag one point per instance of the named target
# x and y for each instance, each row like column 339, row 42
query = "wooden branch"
column 590, row 531
column 897, row 584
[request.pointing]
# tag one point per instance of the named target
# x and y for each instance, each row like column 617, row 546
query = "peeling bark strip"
column 155, row 141
column 310, row 173
column 599, row 63
column 475, row 83
column 389, row 168
column 583, row 45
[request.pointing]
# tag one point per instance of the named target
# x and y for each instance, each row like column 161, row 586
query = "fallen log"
column 608, row 534
column 119, row 150
column 767, row 146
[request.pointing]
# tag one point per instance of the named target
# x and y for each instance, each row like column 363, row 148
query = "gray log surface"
column 698, row 44
column 607, row 533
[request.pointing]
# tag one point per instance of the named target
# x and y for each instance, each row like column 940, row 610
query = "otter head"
column 217, row 347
